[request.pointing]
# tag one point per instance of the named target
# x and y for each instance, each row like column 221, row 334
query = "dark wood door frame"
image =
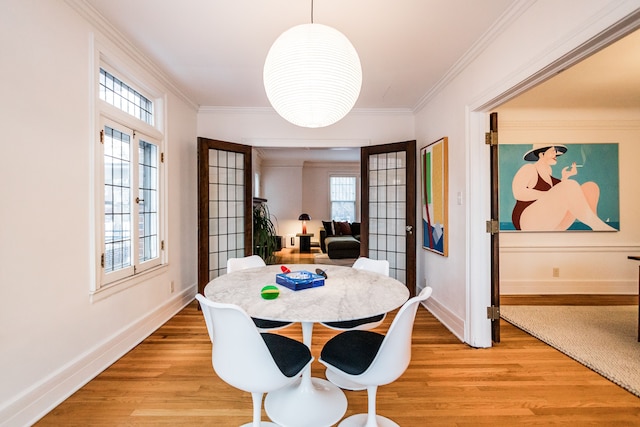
column 410, row 148
column 495, row 229
column 204, row 145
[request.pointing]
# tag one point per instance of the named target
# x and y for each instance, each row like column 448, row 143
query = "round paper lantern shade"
column 312, row 75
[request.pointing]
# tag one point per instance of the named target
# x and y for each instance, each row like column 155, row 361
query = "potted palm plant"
column 264, row 234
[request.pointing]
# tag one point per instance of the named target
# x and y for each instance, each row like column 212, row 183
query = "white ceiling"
column 609, row 78
column 214, row 50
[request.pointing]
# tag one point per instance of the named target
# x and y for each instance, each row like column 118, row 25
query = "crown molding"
column 513, row 12
column 337, row 166
column 308, row 143
column 210, row 109
column 561, row 55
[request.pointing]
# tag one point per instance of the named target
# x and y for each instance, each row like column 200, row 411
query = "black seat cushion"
column 269, row 324
column 290, row 355
column 352, row 351
column 350, row 324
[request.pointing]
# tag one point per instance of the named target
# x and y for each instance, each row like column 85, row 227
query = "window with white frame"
column 129, row 186
column 342, row 192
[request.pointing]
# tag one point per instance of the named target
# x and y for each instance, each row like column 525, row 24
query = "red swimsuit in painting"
column 520, row 206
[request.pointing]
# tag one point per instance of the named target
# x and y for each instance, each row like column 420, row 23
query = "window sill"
column 121, row 285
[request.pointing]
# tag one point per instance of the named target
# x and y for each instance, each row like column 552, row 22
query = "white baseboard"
column 450, row 320
column 559, row 287
column 36, row 402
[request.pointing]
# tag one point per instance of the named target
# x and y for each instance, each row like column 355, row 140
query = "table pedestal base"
column 314, row 403
column 262, row 424
column 360, row 420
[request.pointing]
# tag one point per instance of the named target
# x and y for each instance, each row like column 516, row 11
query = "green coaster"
column 270, row 292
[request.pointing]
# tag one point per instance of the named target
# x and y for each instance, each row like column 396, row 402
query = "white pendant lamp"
column 312, row 75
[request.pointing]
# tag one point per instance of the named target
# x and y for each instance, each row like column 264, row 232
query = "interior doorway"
column 542, row 91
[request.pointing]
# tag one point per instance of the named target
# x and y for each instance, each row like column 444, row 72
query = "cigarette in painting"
column 584, row 158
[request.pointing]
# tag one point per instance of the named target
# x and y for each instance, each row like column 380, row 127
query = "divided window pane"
column 125, row 207
column 342, row 191
column 117, row 93
column 117, row 216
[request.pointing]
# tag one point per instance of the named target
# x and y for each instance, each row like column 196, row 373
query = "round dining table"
column 347, row 294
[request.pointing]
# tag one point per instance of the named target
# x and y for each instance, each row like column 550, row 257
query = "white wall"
column 588, row 262
column 282, row 188
column 53, row 338
column 263, row 127
column 535, row 35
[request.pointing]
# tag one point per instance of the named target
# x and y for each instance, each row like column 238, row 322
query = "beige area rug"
column 324, row 259
column 603, row 338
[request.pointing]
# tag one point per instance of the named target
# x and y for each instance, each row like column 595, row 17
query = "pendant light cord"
column 312, row 11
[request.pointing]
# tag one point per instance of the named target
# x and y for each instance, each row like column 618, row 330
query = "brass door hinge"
column 102, row 260
column 493, row 312
column 102, row 136
column 491, row 138
column 161, row 157
column 162, row 245
column 493, row 226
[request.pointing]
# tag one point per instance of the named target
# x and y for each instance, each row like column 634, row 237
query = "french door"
column 388, row 174
column 224, row 206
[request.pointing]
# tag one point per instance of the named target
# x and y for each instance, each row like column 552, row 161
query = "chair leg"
column 370, row 419
column 256, row 398
column 372, row 391
column 257, row 408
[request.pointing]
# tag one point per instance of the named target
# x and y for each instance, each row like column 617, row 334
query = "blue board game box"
column 298, row 280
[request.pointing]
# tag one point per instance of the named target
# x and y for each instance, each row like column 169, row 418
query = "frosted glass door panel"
column 387, row 211
column 226, row 209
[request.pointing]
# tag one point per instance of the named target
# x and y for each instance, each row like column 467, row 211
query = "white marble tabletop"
column 347, row 294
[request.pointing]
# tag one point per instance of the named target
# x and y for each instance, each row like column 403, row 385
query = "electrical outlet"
column 556, row 271
column 171, row 287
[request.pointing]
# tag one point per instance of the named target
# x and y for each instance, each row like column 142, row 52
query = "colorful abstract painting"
column 434, row 177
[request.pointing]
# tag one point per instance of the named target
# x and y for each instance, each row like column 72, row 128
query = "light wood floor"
column 293, row 256
column 168, row 380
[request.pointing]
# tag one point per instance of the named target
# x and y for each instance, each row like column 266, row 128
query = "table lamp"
column 304, row 218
